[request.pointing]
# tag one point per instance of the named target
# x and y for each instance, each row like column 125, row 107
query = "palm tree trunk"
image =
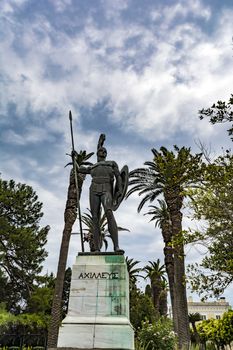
column 196, row 334
column 70, row 215
column 174, row 203
column 169, row 265
column 181, row 298
column 156, row 290
column 163, row 309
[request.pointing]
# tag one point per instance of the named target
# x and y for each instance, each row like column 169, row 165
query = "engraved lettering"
column 115, row 275
column 99, row 275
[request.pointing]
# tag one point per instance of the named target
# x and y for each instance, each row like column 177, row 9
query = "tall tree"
column 73, row 197
column 155, row 271
column 161, row 217
column 193, row 319
column 170, row 174
column 214, row 204
column 22, row 243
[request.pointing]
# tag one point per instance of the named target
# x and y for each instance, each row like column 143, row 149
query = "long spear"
column 76, row 181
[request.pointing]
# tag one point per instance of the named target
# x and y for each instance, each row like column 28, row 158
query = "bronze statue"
column 108, row 188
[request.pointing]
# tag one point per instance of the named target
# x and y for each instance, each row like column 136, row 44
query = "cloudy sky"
column 136, row 70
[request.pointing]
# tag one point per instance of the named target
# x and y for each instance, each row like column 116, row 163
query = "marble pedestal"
column 98, row 312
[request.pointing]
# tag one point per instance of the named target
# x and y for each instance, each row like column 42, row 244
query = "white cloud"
column 7, row 7
column 155, row 78
column 175, row 79
column 60, row 5
column 30, row 135
column 113, row 9
column 168, row 14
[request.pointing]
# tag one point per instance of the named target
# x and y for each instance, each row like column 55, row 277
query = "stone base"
column 98, row 312
column 96, row 336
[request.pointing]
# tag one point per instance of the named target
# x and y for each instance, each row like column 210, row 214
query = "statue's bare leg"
column 112, row 227
column 95, row 203
column 113, row 230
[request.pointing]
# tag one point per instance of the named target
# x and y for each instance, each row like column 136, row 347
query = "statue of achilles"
column 108, row 188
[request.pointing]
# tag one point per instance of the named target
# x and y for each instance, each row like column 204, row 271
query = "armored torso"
column 103, row 171
column 102, row 174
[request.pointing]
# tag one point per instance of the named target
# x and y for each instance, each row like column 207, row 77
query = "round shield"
column 124, row 177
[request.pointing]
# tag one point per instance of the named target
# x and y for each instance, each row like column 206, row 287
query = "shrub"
column 157, row 336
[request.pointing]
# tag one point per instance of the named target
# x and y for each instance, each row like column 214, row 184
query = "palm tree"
column 163, row 308
column 193, row 318
column 70, row 214
column 103, row 223
column 169, row 175
column 134, row 272
column 162, row 220
column 88, row 230
column 155, row 271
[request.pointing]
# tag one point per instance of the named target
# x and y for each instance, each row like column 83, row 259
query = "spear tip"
column 70, row 115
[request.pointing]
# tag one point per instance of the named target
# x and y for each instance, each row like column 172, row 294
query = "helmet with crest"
column 101, row 151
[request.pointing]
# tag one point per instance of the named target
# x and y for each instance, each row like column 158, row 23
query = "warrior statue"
column 108, row 188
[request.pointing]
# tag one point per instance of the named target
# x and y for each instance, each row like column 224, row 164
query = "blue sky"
column 137, row 71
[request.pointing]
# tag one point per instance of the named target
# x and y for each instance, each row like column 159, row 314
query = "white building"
column 208, row 309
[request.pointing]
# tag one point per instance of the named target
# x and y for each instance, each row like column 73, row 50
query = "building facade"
column 208, row 309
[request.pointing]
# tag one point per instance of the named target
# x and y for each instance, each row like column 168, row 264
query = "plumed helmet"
column 100, row 144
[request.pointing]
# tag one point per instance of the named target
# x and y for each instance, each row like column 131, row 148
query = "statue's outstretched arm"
column 80, row 168
column 84, row 170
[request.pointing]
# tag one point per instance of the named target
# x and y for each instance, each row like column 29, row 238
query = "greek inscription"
column 99, row 275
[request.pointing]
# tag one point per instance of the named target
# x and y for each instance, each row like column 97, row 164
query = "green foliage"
column 81, row 158
column 103, row 224
column 219, row 332
column 220, row 112
column 24, row 326
column 141, row 308
column 194, row 317
column 157, row 336
column 169, row 171
column 160, row 213
column 156, row 273
column 66, row 291
column 170, row 174
column 9, row 321
column 226, row 327
column 25, row 329
column 214, row 203
column 40, row 301
column 89, row 226
column 134, row 272
column 22, row 242
column 5, row 316
column 141, row 346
